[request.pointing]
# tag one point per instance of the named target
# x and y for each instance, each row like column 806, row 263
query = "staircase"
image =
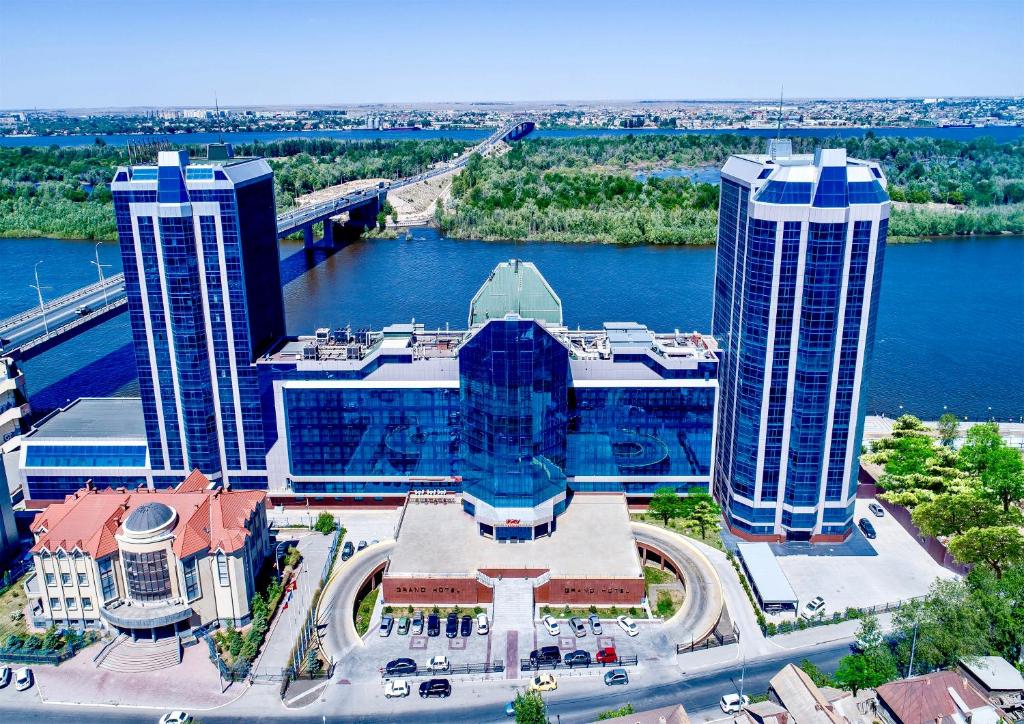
column 132, row 657
column 513, row 604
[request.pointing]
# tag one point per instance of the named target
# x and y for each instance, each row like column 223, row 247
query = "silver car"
column 577, row 627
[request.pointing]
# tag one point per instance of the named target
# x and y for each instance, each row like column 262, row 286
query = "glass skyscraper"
column 801, row 241
column 199, row 247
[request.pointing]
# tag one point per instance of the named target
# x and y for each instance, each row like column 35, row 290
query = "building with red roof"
column 151, row 563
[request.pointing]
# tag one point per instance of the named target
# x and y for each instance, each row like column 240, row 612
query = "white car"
column 439, row 663
column 396, row 688
column 482, row 625
column 5, row 676
column 628, row 625
column 734, row 703
column 551, row 625
column 814, row 607
column 23, row 679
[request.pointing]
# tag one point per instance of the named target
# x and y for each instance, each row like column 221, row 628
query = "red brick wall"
column 585, row 591
column 447, row 590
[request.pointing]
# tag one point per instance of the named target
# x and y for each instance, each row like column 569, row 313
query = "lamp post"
column 99, row 270
column 39, row 292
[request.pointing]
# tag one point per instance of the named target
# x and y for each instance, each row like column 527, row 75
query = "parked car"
column 176, row 717
column 386, row 624
column 510, row 709
column 23, row 679
column 577, row 658
column 397, row 667
column 616, row 677
column 361, row 546
column 545, row 655
column 867, row 528
column 5, row 676
column 82, row 309
column 433, row 625
column 577, row 627
column 595, row 624
column 439, row 663
column 417, row 623
column 466, row 626
column 551, row 625
column 403, row 625
column 814, row 607
column 734, row 703
column 435, row 687
column 451, row 626
column 543, row 682
column 347, row 551
column 482, row 624
column 396, row 688
column 628, row 625
column 877, row 510
column 607, row 655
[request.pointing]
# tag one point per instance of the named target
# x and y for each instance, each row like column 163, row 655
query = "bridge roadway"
column 27, row 334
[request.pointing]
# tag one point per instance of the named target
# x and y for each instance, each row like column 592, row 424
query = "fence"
column 495, row 667
column 40, row 656
column 531, row 665
column 799, row 623
column 308, row 628
column 715, row 640
column 230, row 674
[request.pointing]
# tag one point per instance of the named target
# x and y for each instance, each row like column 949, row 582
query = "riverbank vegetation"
column 580, row 189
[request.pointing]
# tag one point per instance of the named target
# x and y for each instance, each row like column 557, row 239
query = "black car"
column 577, row 658
column 433, row 625
column 451, row 626
column 347, row 550
column 400, row 667
column 435, row 687
column 466, row 626
column 545, row 655
column 869, row 530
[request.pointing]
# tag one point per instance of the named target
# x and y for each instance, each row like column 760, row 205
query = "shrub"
column 615, row 610
column 546, row 610
column 410, row 611
column 633, row 611
column 566, row 612
column 770, row 629
column 593, row 608
column 325, row 523
column 852, row 613
column 477, row 610
column 388, row 609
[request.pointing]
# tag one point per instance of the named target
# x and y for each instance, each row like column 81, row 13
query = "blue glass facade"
column 795, row 293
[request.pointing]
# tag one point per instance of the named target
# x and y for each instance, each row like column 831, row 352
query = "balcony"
column 133, row 615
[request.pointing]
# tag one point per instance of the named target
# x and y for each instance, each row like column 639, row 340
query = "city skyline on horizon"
column 544, row 54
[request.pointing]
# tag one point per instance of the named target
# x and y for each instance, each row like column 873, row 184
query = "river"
column 950, row 326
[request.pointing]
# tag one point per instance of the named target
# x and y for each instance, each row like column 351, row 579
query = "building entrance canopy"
column 134, row 617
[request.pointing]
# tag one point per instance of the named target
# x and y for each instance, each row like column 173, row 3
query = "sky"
column 76, row 54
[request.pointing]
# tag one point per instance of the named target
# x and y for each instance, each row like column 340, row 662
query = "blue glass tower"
column 199, row 247
column 801, row 241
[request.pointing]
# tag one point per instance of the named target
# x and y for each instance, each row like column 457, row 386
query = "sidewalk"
column 314, row 548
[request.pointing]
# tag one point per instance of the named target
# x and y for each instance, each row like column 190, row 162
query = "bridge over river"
column 34, row 331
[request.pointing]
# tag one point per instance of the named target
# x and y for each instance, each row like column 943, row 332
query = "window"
column 82, row 580
column 147, row 575
column 86, row 603
column 108, row 584
column 71, row 603
column 51, row 580
column 192, row 587
column 65, row 579
column 222, row 569
column 54, row 604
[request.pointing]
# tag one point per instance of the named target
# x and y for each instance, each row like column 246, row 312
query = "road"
column 698, row 692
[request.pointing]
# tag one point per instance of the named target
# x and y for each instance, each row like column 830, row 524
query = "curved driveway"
column 339, row 598
column 704, row 601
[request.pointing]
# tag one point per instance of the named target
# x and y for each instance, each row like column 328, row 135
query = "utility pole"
column 913, row 649
column 39, row 291
column 99, row 270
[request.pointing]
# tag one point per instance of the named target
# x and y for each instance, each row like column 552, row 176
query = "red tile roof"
column 926, row 698
column 207, row 519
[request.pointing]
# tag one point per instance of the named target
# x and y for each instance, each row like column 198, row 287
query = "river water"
column 950, row 326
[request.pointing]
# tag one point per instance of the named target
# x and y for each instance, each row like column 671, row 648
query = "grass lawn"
column 364, row 610
column 442, row 611
column 712, row 539
column 605, row 612
column 12, row 603
column 668, row 603
column 653, row 574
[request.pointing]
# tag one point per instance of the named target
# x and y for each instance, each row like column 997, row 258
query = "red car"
column 607, row 655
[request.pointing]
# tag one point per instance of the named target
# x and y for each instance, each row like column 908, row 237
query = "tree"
column 529, row 708
column 1003, row 476
column 949, row 429
column 613, row 713
column 866, row 670
column 997, row 547
column 704, row 514
column 325, row 523
column 953, row 513
column 979, row 443
column 665, row 504
column 819, row 677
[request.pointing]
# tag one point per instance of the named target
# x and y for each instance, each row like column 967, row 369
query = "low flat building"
column 768, row 582
column 150, row 563
column 998, row 679
column 441, row 559
column 938, row 697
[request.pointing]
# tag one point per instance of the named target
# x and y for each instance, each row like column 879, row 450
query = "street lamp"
column 39, row 291
column 99, row 270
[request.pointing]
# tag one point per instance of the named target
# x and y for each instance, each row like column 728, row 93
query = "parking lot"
column 861, row 572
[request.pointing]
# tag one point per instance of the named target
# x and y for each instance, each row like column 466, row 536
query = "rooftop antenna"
column 216, row 106
column 778, row 129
